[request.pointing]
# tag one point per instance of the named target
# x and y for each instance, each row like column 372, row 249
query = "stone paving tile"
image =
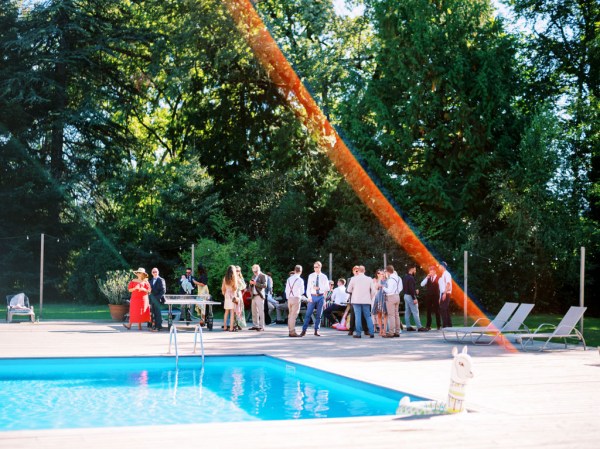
column 516, row 399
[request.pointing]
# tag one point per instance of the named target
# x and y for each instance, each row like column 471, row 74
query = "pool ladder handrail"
column 173, row 336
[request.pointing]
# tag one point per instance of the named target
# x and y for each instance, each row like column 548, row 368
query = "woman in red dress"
column 139, row 308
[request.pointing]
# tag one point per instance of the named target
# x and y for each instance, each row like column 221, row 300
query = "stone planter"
column 118, row 311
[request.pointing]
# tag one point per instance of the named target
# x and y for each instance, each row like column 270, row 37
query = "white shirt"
column 294, row 286
column 394, row 285
column 424, row 282
column 445, row 283
column 339, row 296
column 312, row 283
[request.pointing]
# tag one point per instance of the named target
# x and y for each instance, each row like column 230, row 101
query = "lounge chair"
column 496, row 324
column 18, row 305
column 516, row 324
column 565, row 329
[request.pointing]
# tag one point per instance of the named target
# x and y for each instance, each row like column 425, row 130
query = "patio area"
column 516, row 399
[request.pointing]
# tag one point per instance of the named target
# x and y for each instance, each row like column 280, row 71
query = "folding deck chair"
column 514, row 325
column 565, row 329
column 18, row 305
column 497, row 323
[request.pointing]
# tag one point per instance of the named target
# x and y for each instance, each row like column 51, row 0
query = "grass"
column 72, row 312
column 100, row 312
column 78, row 312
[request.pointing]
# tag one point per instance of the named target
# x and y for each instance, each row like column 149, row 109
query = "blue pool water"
column 100, row 392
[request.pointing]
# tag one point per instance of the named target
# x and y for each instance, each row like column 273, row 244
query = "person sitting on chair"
column 339, row 301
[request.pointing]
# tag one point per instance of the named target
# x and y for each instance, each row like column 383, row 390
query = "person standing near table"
column 158, row 289
column 229, row 288
column 316, row 288
column 203, row 292
column 187, row 284
column 139, row 310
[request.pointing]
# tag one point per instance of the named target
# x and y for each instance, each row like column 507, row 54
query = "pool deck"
column 516, row 399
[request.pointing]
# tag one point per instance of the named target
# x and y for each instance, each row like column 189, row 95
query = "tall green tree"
column 561, row 43
column 434, row 117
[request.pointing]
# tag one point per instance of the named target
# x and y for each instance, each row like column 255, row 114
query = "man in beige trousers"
column 294, row 289
column 392, row 301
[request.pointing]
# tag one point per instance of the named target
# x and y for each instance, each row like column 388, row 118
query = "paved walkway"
column 516, row 399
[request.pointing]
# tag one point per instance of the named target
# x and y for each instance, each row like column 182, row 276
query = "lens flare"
column 306, row 109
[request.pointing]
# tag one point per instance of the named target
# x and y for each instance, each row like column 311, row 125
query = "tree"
column 562, row 56
column 434, row 118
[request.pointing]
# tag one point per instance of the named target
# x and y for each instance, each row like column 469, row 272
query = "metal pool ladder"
column 173, row 336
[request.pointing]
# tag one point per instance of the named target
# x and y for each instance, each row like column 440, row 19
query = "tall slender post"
column 384, row 260
column 330, row 266
column 41, row 276
column 193, row 259
column 582, row 285
column 465, row 296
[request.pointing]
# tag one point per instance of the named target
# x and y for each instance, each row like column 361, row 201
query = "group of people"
column 146, row 299
column 373, row 302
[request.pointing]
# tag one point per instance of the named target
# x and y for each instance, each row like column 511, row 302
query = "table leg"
column 209, row 318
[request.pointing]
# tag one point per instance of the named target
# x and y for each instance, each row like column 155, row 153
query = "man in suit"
column 432, row 298
column 363, row 290
column 157, row 294
column 257, row 291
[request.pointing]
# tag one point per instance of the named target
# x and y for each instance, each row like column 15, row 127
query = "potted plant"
column 114, row 287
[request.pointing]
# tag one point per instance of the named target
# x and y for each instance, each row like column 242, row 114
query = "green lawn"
column 81, row 312
column 100, row 312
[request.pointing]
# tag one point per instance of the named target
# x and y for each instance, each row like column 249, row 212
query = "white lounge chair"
column 18, row 305
column 496, row 324
column 516, row 324
column 565, row 329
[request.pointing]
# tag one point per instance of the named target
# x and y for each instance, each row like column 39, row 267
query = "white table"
column 191, row 300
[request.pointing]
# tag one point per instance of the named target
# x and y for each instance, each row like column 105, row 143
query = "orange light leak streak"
column 306, row 109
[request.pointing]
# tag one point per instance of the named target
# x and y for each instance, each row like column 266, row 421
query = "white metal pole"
column 330, row 266
column 193, row 259
column 384, row 260
column 41, row 276
column 582, row 285
column 466, row 286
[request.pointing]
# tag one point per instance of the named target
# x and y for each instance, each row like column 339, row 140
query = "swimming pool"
column 57, row 393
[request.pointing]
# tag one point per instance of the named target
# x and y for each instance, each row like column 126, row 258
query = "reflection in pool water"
column 100, row 392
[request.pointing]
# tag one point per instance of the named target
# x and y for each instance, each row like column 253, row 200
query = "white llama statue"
column 460, row 375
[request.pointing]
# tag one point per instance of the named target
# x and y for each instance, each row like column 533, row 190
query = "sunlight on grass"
column 100, row 312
